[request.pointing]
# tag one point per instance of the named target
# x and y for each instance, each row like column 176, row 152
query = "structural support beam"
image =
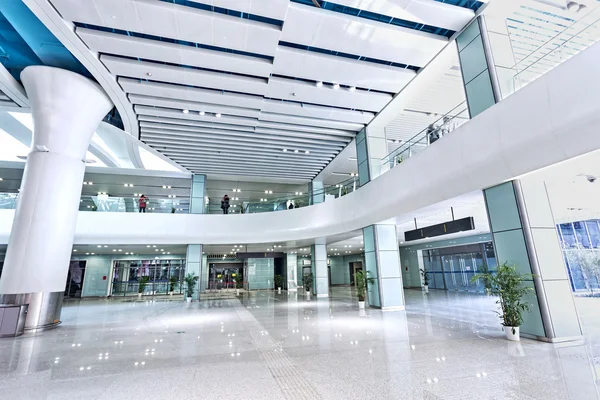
column 524, row 234
column 66, row 109
column 194, row 264
column 197, row 200
column 371, row 149
column 319, row 270
column 382, row 263
column 292, row 272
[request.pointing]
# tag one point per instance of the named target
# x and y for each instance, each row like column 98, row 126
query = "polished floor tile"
column 268, row 346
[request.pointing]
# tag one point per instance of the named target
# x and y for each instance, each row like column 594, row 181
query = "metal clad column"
column 524, row 234
column 320, row 271
column 66, row 110
column 193, row 264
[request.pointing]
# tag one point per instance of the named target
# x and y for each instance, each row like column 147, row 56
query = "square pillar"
column 382, row 261
column 292, row 271
column 319, row 269
column 477, row 66
column 524, row 234
column 193, row 263
column 371, row 149
column 197, row 202
column 317, row 192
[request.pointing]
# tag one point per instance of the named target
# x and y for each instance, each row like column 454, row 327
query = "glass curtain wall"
column 452, row 268
column 580, row 242
column 127, row 275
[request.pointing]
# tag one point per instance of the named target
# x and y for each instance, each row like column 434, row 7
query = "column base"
column 44, row 309
column 577, row 339
column 322, row 295
column 395, row 308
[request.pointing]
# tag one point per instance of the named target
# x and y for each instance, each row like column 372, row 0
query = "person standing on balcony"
column 225, row 204
column 143, row 201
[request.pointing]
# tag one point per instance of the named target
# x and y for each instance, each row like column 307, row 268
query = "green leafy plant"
column 399, row 160
column 510, row 287
column 362, row 280
column 172, row 282
column 278, row 279
column 307, row 282
column 172, row 210
column 239, row 282
column 190, row 280
column 484, row 278
column 142, row 283
column 425, row 275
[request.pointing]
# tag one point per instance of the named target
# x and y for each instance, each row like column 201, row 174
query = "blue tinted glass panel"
column 568, row 236
column 581, row 234
column 594, row 231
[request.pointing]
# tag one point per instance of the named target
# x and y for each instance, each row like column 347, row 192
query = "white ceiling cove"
column 255, row 88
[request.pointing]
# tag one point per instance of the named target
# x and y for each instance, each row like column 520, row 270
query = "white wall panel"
column 111, row 43
column 289, row 89
column 316, row 27
column 428, row 12
column 322, row 67
column 553, row 119
column 184, row 76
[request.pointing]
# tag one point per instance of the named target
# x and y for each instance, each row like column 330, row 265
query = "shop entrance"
column 224, row 275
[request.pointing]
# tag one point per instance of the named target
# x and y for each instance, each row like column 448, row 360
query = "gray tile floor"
column 269, row 346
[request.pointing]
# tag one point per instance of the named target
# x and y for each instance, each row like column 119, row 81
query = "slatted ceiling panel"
column 312, row 26
column 406, row 125
column 148, row 49
column 289, row 119
column 279, row 137
column 301, row 91
column 168, row 138
column 315, row 111
column 176, row 22
column 188, row 93
column 225, row 119
column 172, row 57
column 323, row 67
column 303, row 128
column 423, row 11
column 275, row 9
column 180, row 122
column 183, row 76
column 192, row 106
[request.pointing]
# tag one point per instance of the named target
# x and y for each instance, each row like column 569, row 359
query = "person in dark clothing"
column 432, row 134
column 291, row 206
column 225, row 204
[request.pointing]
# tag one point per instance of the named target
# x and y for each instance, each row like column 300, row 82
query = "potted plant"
column 278, row 279
column 190, row 280
column 425, row 275
column 399, row 160
column 510, row 287
column 307, row 281
column 485, row 278
column 172, row 282
column 362, row 280
column 142, row 283
column 173, row 210
column 239, row 283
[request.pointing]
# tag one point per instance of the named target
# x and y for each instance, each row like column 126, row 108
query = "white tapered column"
column 66, row 109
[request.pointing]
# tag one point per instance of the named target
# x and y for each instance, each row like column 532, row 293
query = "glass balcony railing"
column 435, row 131
column 563, row 45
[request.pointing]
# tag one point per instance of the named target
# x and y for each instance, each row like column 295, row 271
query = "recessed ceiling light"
column 285, row 150
column 1, row 179
column 147, row 73
column 114, row 249
column 218, row 115
column 185, row 111
column 120, row 250
column 92, row 253
column 336, row 86
column 75, row 250
column 307, row 152
column 319, row 84
column 87, row 254
column 201, row 113
column 352, row 88
column 296, row 151
column 105, row 246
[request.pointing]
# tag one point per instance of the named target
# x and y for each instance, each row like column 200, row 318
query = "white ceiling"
column 258, row 76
